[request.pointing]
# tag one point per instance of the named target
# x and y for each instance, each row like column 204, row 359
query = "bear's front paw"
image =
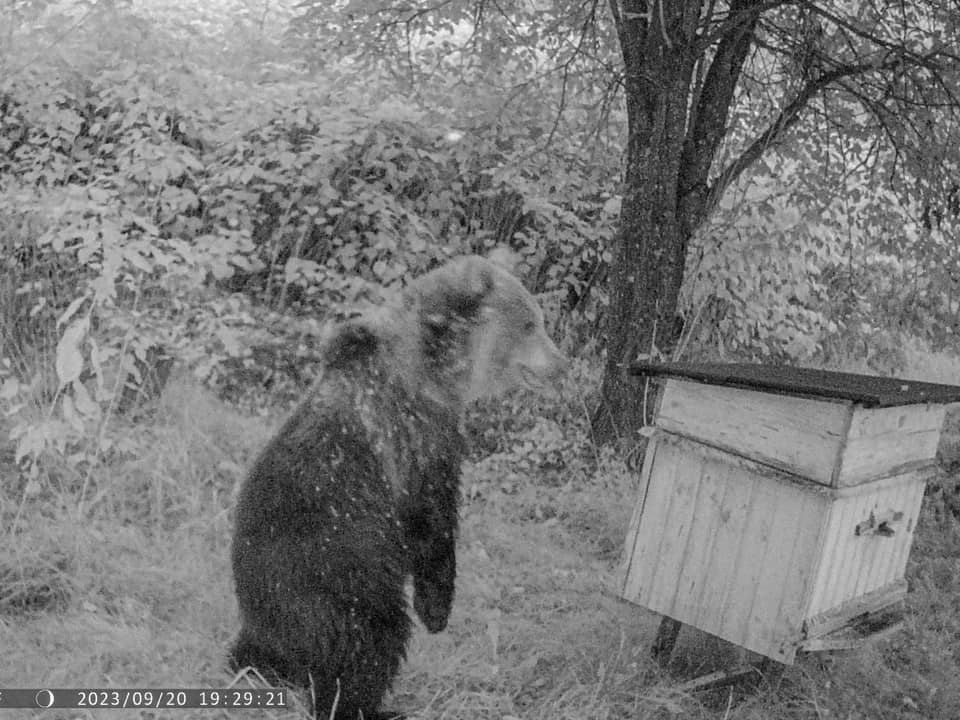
column 433, row 614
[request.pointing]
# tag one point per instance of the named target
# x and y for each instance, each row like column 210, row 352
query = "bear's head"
column 480, row 331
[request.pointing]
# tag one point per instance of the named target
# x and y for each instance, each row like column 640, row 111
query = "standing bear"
column 360, row 487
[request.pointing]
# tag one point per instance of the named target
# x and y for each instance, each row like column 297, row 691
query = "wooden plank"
column 718, row 679
column 789, row 561
column 800, row 435
column 763, row 612
column 887, row 441
column 837, row 617
column 746, row 583
column 874, row 422
column 879, row 564
column 873, row 561
column 696, row 581
column 660, row 469
column 854, row 564
column 861, row 629
column 851, row 565
column 846, row 548
column 852, row 639
column 888, row 565
column 924, row 474
column 826, row 573
column 911, row 509
column 739, row 624
column 824, row 512
column 724, row 556
column 630, row 544
column 680, row 516
column 797, row 532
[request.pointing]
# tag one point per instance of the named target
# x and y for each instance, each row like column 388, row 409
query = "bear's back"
column 361, row 442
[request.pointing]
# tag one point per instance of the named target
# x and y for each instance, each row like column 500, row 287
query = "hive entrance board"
column 777, row 505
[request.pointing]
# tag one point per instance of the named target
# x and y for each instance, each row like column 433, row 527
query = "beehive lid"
column 867, row 390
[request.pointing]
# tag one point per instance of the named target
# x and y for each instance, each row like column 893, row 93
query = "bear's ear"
column 351, row 341
column 465, row 295
column 451, row 294
column 455, row 290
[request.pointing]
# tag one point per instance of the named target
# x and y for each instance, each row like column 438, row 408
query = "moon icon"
column 44, row 698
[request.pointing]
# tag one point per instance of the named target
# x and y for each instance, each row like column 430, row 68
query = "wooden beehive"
column 778, row 504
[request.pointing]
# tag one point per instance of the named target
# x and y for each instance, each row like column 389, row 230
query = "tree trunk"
column 675, row 127
column 651, row 246
column 645, row 286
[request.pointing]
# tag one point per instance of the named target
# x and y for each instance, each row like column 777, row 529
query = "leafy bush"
column 157, row 192
column 814, row 259
column 139, row 190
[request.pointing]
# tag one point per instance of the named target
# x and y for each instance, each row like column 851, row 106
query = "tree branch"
column 732, row 17
column 584, row 32
column 631, row 19
column 880, row 42
column 713, row 104
column 786, row 119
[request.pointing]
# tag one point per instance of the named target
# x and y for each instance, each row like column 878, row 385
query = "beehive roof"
column 868, row 390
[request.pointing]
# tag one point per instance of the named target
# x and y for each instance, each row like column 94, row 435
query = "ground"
column 141, row 596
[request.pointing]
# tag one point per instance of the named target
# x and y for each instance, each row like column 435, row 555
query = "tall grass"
column 137, row 592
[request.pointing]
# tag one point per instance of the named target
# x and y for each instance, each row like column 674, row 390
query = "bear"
column 359, row 489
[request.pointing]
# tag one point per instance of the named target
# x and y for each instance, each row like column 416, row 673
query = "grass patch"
column 139, row 594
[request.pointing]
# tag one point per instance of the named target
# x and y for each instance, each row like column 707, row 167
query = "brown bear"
column 360, row 487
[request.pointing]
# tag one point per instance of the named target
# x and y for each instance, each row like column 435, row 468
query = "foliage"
column 819, row 89
column 137, row 189
column 542, row 434
column 532, row 89
column 815, row 257
column 796, row 133
column 184, row 176
column 158, row 190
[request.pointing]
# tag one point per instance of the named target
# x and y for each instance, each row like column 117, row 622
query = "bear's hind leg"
column 374, row 641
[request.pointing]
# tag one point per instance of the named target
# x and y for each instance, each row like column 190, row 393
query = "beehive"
column 778, row 504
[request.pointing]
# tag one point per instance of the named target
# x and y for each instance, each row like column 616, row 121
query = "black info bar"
column 155, row 698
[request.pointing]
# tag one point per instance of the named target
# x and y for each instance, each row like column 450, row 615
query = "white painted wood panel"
column 725, row 545
column 749, row 504
column 853, row 565
column 800, row 435
column 887, row 441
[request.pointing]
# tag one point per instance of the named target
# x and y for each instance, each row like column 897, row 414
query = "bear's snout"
column 543, row 359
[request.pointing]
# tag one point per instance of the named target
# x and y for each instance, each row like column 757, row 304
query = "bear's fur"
column 360, row 487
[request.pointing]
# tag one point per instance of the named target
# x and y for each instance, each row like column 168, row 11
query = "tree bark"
column 672, row 139
column 645, row 284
